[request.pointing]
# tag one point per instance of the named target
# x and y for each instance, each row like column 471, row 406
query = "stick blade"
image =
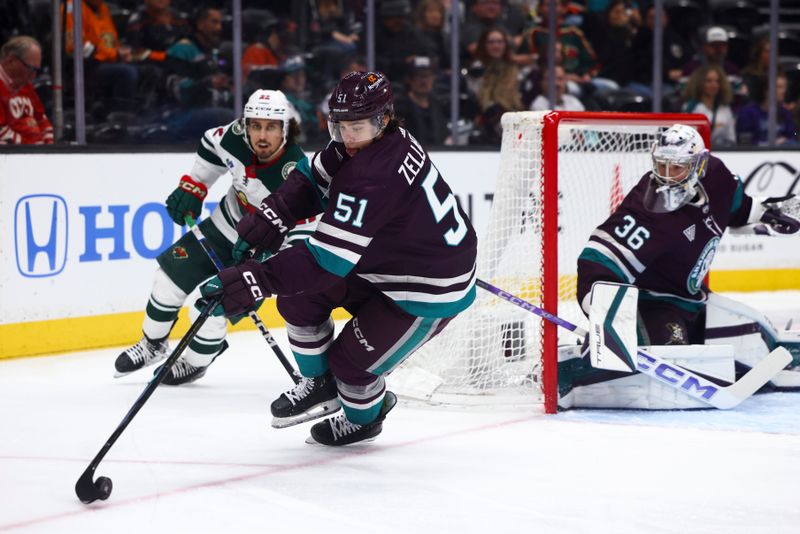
column 755, row 379
column 84, row 487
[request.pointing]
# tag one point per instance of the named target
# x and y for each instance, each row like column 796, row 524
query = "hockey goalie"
column 641, row 281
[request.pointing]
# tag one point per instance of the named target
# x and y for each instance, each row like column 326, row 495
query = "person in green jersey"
column 257, row 151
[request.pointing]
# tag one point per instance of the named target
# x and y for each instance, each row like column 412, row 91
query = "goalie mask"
column 272, row 105
column 679, row 163
column 362, row 99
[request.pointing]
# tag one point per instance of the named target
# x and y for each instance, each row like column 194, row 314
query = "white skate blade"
column 311, row 441
column 320, row 410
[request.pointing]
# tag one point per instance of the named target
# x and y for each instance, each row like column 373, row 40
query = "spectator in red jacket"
column 22, row 118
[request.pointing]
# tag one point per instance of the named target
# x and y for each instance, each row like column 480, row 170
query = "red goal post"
column 561, row 174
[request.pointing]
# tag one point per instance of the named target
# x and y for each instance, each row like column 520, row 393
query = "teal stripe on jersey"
column 305, row 167
column 330, row 261
column 594, row 256
column 311, row 364
column 437, row 309
column 738, row 195
column 209, row 156
column 406, row 348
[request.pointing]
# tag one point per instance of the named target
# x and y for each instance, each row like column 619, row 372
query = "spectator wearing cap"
column 397, row 41
column 22, row 117
column 715, row 50
column 422, row 112
column 294, row 85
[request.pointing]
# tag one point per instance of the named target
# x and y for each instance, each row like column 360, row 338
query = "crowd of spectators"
column 161, row 71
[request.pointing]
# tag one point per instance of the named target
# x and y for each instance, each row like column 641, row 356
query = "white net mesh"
column 492, row 352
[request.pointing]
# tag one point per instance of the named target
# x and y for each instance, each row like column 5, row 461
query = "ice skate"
column 182, row 372
column 338, row 431
column 145, row 352
column 311, row 398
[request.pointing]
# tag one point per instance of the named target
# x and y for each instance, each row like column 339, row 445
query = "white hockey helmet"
column 679, row 163
column 269, row 104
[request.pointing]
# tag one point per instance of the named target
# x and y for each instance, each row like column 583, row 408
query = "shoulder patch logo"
column 690, row 233
column 289, row 167
column 179, row 253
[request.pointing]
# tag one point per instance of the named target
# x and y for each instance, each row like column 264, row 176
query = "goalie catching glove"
column 243, row 288
column 781, row 216
column 187, row 199
column 265, row 227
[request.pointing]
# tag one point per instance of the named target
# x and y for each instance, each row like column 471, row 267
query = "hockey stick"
column 673, row 375
column 89, row 490
column 253, row 315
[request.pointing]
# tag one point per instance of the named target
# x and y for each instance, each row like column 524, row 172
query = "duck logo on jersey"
column 677, row 335
column 701, row 268
column 40, row 235
column 690, row 233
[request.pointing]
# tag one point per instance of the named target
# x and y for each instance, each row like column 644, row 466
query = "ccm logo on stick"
column 674, row 375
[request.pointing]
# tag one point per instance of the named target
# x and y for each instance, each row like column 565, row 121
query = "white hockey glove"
column 781, row 216
column 774, row 216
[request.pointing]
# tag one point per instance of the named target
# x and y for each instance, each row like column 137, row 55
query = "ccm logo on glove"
column 192, row 187
column 274, row 218
column 255, row 289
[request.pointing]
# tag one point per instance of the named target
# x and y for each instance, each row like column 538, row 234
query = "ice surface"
column 203, row 458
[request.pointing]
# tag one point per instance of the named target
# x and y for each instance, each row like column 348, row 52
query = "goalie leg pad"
column 753, row 337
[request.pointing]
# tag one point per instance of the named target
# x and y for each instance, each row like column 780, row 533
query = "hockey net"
column 561, row 174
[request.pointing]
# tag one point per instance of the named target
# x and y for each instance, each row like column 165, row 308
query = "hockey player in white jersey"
column 258, row 151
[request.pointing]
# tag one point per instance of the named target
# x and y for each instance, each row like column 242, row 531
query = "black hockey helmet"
column 361, row 95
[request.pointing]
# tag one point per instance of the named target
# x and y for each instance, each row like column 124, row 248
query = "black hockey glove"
column 243, row 288
column 266, row 227
column 781, row 217
column 187, row 199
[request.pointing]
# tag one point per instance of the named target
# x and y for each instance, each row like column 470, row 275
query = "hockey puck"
column 103, row 485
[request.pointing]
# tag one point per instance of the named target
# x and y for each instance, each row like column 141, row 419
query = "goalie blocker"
column 599, row 373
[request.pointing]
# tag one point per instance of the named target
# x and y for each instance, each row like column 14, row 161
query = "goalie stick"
column 673, row 375
column 198, row 234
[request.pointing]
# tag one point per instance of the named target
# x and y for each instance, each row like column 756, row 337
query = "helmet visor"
column 354, row 132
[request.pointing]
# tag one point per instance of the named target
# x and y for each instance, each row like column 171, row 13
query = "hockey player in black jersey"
column 662, row 239
column 393, row 247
